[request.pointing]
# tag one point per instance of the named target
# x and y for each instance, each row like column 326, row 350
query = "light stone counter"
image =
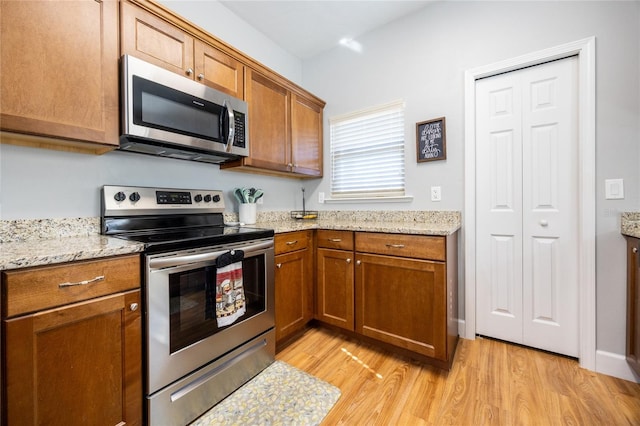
column 398, row 222
column 630, row 224
column 25, row 243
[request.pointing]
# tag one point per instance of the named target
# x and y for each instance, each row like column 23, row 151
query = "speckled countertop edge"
column 630, row 224
column 26, row 243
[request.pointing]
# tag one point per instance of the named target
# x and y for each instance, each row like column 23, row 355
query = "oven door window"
column 191, row 293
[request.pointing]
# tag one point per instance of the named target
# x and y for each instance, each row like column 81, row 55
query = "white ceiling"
column 308, row 27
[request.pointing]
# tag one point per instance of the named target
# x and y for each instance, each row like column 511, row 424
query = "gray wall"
column 422, row 59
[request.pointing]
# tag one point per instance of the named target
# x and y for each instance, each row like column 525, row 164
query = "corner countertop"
column 26, row 243
column 630, row 224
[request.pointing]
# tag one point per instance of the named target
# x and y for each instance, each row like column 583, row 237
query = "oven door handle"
column 167, row 262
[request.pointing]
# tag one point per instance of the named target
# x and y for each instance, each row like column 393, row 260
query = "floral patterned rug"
column 279, row 395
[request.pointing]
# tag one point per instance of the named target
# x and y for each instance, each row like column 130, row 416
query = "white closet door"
column 527, row 290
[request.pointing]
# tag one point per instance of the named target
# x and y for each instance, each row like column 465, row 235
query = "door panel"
column 499, row 208
column 526, row 188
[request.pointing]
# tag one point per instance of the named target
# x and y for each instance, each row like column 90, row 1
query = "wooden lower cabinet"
column 394, row 288
column 402, row 302
column 335, row 278
column 79, row 363
column 294, row 282
column 633, row 303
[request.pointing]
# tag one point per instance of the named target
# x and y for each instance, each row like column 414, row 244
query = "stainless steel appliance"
column 166, row 114
column 193, row 359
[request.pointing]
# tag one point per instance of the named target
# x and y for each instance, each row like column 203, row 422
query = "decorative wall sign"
column 431, row 143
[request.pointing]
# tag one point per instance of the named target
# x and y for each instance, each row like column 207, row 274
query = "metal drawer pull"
column 279, row 265
column 635, row 249
column 348, row 260
column 358, row 262
column 290, row 243
column 96, row 279
column 133, row 307
column 395, row 245
column 335, row 240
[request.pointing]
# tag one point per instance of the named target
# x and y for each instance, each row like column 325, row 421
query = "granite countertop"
column 25, row 243
column 21, row 254
column 630, row 224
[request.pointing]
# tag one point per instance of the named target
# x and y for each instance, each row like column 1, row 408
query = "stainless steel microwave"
column 166, row 114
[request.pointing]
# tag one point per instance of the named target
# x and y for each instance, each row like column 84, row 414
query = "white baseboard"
column 615, row 365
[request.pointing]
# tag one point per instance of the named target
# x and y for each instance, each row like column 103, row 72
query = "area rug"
column 279, row 395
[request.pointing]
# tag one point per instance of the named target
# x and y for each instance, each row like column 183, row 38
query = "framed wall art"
column 431, row 141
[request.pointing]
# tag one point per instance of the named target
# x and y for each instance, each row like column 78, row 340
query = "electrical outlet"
column 321, row 197
column 436, row 193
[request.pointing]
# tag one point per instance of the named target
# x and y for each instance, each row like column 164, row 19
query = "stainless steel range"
column 208, row 296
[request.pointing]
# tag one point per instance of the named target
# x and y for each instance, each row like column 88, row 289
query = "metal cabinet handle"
column 335, row 240
column 133, row 307
column 358, row 262
column 348, row 260
column 634, row 250
column 395, row 245
column 190, row 71
column 200, row 76
column 85, row 282
column 290, row 243
column 279, row 265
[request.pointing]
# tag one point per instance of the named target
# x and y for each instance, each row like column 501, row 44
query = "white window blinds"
column 367, row 153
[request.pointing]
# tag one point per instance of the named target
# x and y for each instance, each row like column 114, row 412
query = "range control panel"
column 135, row 200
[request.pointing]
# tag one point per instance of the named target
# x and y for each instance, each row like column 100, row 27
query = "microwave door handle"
column 232, row 125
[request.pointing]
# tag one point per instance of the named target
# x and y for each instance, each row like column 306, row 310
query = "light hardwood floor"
column 491, row 382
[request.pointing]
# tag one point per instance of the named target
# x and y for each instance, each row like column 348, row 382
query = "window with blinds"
column 367, row 153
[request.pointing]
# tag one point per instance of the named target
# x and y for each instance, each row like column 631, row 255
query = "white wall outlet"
column 614, row 189
column 321, row 197
column 436, row 193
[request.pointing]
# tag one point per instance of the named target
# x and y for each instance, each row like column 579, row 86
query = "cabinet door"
column 154, row 40
column 402, row 302
column 269, row 135
column 306, row 136
column 59, row 72
column 218, row 70
column 633, row 303
column 80, row 364
column 294, row 298
column 334, row 301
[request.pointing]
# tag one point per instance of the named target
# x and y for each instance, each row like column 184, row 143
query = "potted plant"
column 247, row 198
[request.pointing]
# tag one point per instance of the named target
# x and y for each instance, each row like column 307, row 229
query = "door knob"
column 544, row 223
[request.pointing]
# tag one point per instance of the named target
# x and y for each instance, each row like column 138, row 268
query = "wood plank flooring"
column 490, row 383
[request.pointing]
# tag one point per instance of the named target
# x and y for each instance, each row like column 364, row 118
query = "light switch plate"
column 614, row 189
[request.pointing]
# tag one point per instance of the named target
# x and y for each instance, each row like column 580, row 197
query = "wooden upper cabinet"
column 306, row 136
column 155, row 40
column 59, row 74
column 160, row 42
column 285, row 130
column 268, row 123
column 219, row 70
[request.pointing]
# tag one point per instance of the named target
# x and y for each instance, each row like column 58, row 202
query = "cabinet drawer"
column 45, row 287
column 292, row 241
column 414, row 246
column 340, row 240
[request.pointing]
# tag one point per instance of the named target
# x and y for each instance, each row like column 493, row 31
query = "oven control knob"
column 207, row 198
column 119, row 196
column 198, row 198
column 216, row 198
column 134, row 197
